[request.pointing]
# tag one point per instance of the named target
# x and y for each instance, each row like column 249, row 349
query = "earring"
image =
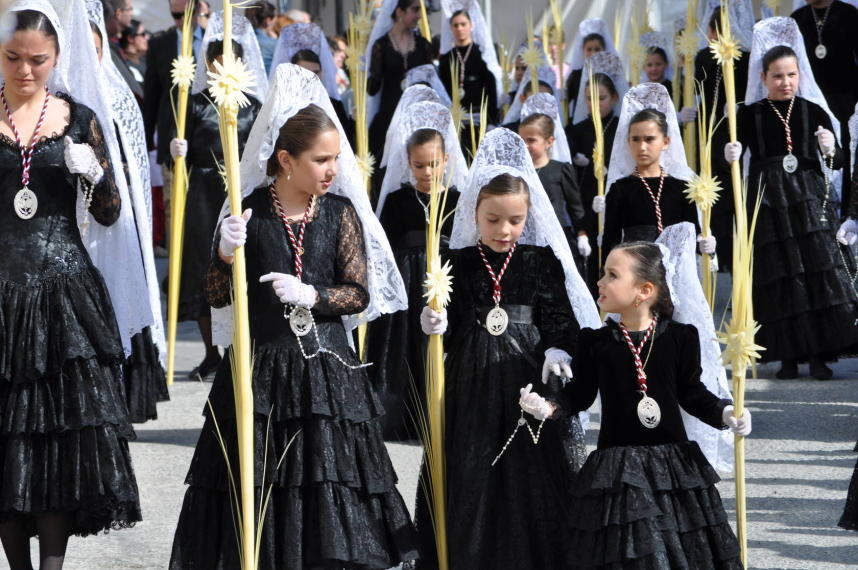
column 637, row 303
column 289, row 176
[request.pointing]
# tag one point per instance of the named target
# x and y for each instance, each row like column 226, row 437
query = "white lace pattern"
column 608, row 64
column 546, row 104
column 410, row 96
column 301, row 36
column 244, row 35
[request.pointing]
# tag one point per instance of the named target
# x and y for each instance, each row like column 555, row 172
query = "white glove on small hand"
column 825, row 139
column 688, row 115
column 534, row 404
column 739, row 426
column 598, row 204
column 732, row 151
column 583, row 243
column 233, row 233
column 557, row 362
column 178, row 147
column 707, row 244
column 580, row 160
column 848, row 232
column 290, row 290
column 433, row 322
column 80, row 159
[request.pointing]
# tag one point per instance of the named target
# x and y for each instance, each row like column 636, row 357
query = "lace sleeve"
column 218, row 285
column 105, row 197
column 350, row 295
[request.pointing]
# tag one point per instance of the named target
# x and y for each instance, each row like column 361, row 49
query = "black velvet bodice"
column 403, row 218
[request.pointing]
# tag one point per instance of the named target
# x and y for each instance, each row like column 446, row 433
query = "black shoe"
column 788, row 371
column 206, row 368
column 819, row 370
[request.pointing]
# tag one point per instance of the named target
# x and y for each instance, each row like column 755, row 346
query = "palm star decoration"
column 229, row 81
column 739, row 346
column 531, row 57
column 725, row 49
column 183, row 71
column 703, row 190
column 353, row 58
column 439, row 283
column 686, row 43
column 366, row 165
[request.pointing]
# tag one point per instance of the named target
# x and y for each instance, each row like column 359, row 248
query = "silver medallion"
column 648, row 412
column 821, row 51
column 496, row 321
column 301, row 321
column 26, row 203
column 790, row 163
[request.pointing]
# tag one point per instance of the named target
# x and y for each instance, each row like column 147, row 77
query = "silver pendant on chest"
column 821, row 51
column 790, row 163
column 26, row 203
column 497, row 321
column 300, row 321
column 648, row 412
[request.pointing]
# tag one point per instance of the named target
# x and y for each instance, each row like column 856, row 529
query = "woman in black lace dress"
column 333, row 501
column 65, row 467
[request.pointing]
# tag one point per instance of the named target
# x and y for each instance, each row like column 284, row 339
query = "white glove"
column 433, row 322
column 178, row 147
column 707, row 244
column 557, row 362
column 688, row 115
column 739, row 426
column 848, row 232
column 584, row 248
column 80, row 159
column 233, row 233
column 732, row 151
column 825, row 139
column 290, row 290
column 534, row 404
column 580, row 160
column 598, row 204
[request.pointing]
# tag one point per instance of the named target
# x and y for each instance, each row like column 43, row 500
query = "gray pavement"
column 799, row 461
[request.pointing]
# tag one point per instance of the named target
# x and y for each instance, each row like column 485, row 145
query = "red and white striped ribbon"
column 496, row 279
column 636, row 351
column 26, row 151
column 656, row 198
column 297, row 243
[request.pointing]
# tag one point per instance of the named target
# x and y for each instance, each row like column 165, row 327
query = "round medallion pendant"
column 648, row 412
column 301, row 321
column 26, row 203
column 497, row 321
column 821, row 51
column 790, row 163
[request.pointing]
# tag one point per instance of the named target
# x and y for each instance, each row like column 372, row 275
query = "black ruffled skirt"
column 65, row 431
column 333, row 499
column 802, row 296
column 649, row 507
column 145, row 380
column 849, row 518
column 396, row 347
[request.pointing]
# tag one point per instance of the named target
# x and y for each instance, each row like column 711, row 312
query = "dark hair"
column 110, row 7
column 258, row 12
column 401, row 5
column 424, row 136
column 655, row 50
column 131, row 31
column 462, row 12
column 605, row 81
column 306, row 55
column 715, row 21
column 31, row 20
column 333, row 43
column 776, row 53
column 591, row 37
column 653, row 115
column 215, row 50
column 543, row 122
column 299, row 133
column 648, row 268
column 504, row 185
column 528, row 87
column 94, row 27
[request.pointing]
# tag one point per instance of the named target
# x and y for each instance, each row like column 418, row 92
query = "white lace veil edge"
column 545, row 74
column 546, row 104
column 302, row 36
column 428, row 74
column 422, row 115
column 679, row 254
column 504, row 152
column 244, row 35
column 411, row 95
column 481, row 35
column 293, row 88
column 604, row 63
column 741, row 13
column 585, row 28
column 658, row 40
column 673, row 160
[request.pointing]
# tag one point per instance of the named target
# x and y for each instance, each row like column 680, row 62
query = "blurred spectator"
column 261, row 16
column 134, row 42
column 299, row 16
column 280, row 22
column 117, row 17
column 338, row 50
column 204, row 12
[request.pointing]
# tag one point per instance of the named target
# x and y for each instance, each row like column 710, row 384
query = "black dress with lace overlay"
column 802, row 296
column 396, row 345
column 506, row 515
column 206, row 195
column 646, row 498
column 333, row 501
column 65, row 430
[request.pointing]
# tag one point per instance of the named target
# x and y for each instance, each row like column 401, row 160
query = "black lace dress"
column 802, row 297
column 646, row 498
column 206, row 195
column 396, row 344
column 506, row 515
column 334, row 502
column 65, row 429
